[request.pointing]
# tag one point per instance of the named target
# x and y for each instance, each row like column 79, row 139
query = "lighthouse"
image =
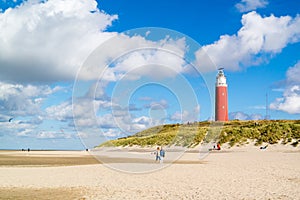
column 221, row 107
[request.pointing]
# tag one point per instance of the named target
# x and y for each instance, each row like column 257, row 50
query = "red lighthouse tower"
column 221, row 107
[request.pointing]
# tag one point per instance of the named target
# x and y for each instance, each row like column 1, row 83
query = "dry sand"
column 237, row 173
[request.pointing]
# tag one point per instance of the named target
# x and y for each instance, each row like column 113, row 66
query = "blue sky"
column 74, row 73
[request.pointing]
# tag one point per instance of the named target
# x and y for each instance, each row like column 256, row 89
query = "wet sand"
column 12, row 193
column 46, row 158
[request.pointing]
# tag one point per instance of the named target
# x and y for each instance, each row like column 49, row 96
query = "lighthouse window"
column 223, row 107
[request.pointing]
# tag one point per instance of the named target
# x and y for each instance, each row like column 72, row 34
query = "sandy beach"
column 235, row 173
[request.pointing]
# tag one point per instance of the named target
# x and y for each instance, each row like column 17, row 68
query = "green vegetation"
column 232, row 132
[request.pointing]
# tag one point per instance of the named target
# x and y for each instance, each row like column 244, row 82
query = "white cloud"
column 107, row 121
column 244, row 116
column 112, row 133
column 141, row 123
column 97, row 90
column 133, row 57
column 186, row 116
column 250, row 5
column 258, row 38
column 293, row 74
column 49, row 40
column 290, row 100
column 166, row 60
column 61, row 112
column 23, row 100
column 157, row 105
column 18, row 128
column 23, row 103
column 53, row 135
column 25, row 133
column 256, row 117
column 111, row 119
column 84, row 113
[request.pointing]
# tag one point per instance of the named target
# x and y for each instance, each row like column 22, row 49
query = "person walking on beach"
column 157, row 153
column 162, row 155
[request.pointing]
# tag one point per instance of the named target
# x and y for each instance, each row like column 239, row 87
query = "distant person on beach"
column 218, row 146
column 157, row 154
column 162, row 155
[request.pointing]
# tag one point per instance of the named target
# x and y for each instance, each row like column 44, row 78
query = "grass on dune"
column 232, row 132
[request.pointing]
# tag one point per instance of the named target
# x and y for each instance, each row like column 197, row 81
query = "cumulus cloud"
column 290, row 100
column 157, row 105
column 249, row 5
column 186, row 116
column 112, row 133
column 18, row 128
column 258, row 38
column 84, row 113
column 131, row 57
column 60, row 112
column 89, row 113
column 141, row 123
column 97, row 91
column 113, row 122
column 53, row 135
column 49, row 40
column 293, row 74
column 244, row 116
column 23, row 100
column 110, row 119
column 25, row 133
column 127, row 123
column 23, row 103
column 166, row 60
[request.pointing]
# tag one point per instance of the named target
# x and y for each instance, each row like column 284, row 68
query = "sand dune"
column 238, row 173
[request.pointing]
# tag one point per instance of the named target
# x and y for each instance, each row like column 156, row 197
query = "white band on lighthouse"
column 221, row 79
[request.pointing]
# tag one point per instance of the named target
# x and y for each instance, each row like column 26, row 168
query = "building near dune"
column 221, row 99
